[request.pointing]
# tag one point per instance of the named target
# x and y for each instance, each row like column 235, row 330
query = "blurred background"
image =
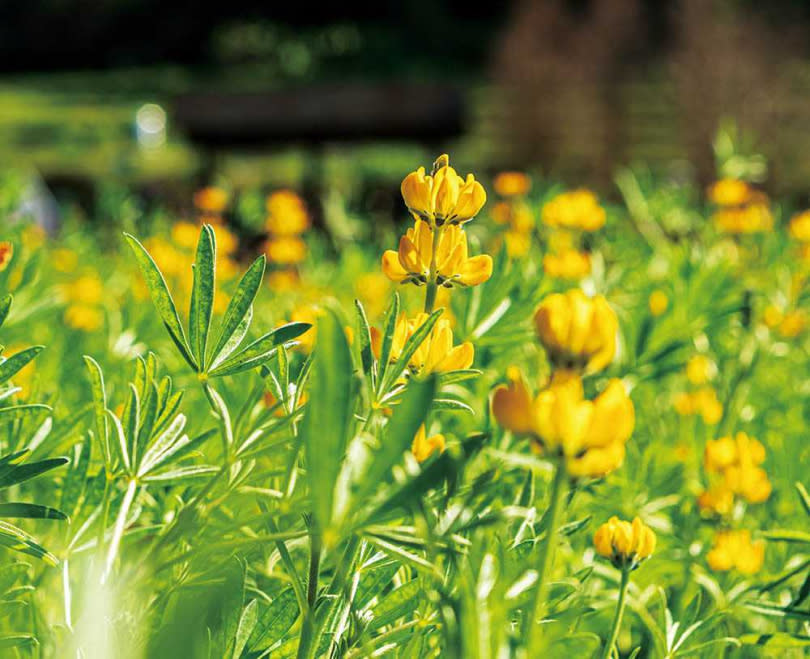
column 164, row 97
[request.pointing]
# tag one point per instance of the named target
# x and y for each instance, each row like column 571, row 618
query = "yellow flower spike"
column 570, row 264
column 442, row 197
column 734, row 550
column 738, row 461
column 512, row 184
column 423, row 447
column 718, row 500
column 578, row 209
column 658, row 303
column 437, row 353
column 625, row 544
column 512, row 404
column 577, row 331
column 800, row 226
column 287, row 214
column 411, row 263
column 700, row 369
column 729, row 192
column 6, row 254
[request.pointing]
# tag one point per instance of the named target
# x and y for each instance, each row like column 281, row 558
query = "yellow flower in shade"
column 800, row 226
column 589, row 436
column 84, row 317
column 211, row 200
column 185, row 234
column 734, row 550
column 442, row 197
column 700, row 369
column 423, row 447
column 625, row 544
column 286, row 214
column 718, row 500
column 577, row 331
column 658, row 303
column 570, row 264
column 283, row 281
column 512, row 184
column 578, row 209
column 6, row 254
column 729, row 192
column 737, row 459
column 286, row 250
column 411, row 263
column 437, row 353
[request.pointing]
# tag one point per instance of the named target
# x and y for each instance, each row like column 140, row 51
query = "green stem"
column 314, row 567
column 546, row 557
column 617, row 618
column 432, row 283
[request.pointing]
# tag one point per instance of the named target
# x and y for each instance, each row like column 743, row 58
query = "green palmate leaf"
column 18, row 540
column 325, row 427
column 261, row 350
column 30, row 511
column 400, row 431
column 5, row 307
column 14, row 474
column 99, row 406
column 202, row 294
column 396, row 369
column 237, row 316
column 15, row 363
column 275, row 621
column 161, row 298
column 391, row 316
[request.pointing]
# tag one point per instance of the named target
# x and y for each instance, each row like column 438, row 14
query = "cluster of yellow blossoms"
column 436, row 354
column 734, row 550
column 287, row 219
column 85, row 296
column 742, row 209
column 513, row 213
column 570, row 214
column 734, row 464
column 703, row 399
column 588, row 436
column 624, row 544
column 211, row 203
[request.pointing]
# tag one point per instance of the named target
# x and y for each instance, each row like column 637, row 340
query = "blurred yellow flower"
column 569, row 264
column 412, row 262
column 625, row 544
column 517, row 244
column 735, row 550
column 700, row 369
column 729, row 192
column 512, row 184
column 590, row 436
column 84, row 317
column 578, row 209
column 442, row 197
column 577, row 331
column 737, row 460
column 307, row 313
column 703, row 401
column 286, row 250
column 800, row 226
column 6, row 254
column 87, row 289
column 423, row 447
column 718, row 500
column 185, row 234
column 211, row 200
column 373, row 289
column 792, row 324
column 772, row 316
column 436, row 354
column 658, row 303
column 753, row 218
column 286, row 214
column 283, row 281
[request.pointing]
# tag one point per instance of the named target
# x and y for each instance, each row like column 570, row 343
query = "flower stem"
column 118, row 529
column 433, row 274
column 617, row 618
column 546, row 558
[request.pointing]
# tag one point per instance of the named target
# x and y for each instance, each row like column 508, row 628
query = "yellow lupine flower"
column 738, row 461
column 411, row 263
column 570, row 264
column 753, row 218
column 442, row 197
column 437, row 353
column 700, row 369
column 423, row 447
column 286, row 250
column 578, row 209
column 792, row 324
column 512, row 184
column 286, row 214
column 211, row 200
column 624, row 543
column 718, row 499
column 84, row 317
column 185, row 234
column 735, row 550
column 729, row 192
column 307, row 313
column 576, row 330
column 800, row 226
column 658, row 303
column 517, row 244
column 589, row 435
column 6, row 254
column 87, row 290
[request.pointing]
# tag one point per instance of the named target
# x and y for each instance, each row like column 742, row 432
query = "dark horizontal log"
column 322, row 113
